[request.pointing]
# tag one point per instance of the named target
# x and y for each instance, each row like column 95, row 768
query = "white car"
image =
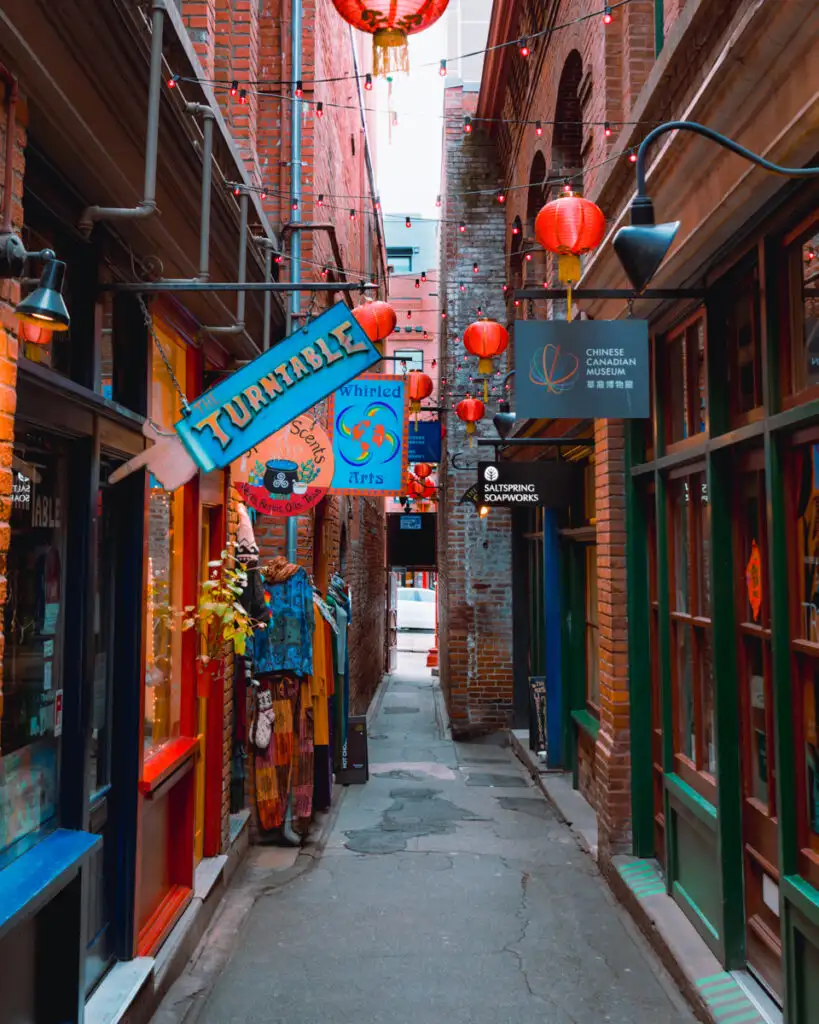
column 416, row 609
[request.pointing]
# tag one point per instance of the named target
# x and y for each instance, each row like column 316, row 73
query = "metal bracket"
column 629, row 294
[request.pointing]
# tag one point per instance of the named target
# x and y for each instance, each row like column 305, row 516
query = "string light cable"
column 605, row 14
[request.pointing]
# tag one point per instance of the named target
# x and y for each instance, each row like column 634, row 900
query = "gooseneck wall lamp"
column 642, row 246
column 45, row 306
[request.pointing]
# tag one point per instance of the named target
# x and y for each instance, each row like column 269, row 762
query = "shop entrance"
column 759, row 811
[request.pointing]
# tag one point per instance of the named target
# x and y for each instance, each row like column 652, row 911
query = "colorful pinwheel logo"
column 372, row 434
column 554, row 371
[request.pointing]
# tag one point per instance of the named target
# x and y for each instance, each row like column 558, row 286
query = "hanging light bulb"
column 462, row 227
column 234, row 87
column 320, row 200
column 263, row 195
column 408, row 222
column 237, row 191
column 523, row 47
column 538, row 128
column 319, row 109
column 442, row 69
column 528, row 257
column 172, row 81
column 243, row 97
column 515, row 229
column 633, row 157
column 501, row 196
column 294, row 205
column 368, row 82
column 517, row 303
column 424, row 276
column 443, row 316
column 417, row 282
column 409, row 314
column 607, row 15
column 277, row 258
column 434, row 364
column 376, row 203
column 606, row 129
column 467, row 125
column 352, row 214
column 298, row 92
column 438, row 201
column 475, row 268
column 463, row 287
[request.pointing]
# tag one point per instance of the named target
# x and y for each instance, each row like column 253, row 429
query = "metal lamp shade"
column 504, row 421
column 45, row 306
column 641, row 248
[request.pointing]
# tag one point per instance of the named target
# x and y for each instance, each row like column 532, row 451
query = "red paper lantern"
column 569, row 226
column 36, row 335
column 486, row 339
column 423, row 470
column 469, row 411
column 377, row 319
column 390, row 22
column 419, row 386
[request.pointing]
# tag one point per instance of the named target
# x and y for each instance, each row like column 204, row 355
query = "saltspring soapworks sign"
column 275, row 388
column 583, row 369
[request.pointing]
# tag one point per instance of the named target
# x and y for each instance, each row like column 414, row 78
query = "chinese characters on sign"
column 586, row 368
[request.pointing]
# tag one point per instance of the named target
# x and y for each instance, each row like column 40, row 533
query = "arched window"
column 567, row 144
column 515, row 254
column 537, row 191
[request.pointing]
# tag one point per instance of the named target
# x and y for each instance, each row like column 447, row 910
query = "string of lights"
column 321, row 107
column 524, row 45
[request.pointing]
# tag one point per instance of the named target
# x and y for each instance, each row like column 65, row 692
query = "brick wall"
column 9, row 297
column 475, row 555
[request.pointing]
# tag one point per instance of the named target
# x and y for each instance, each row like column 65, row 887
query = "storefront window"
column 808, row 545
column 31, row 697
column 742, row 335
column 684, row 383
column 759, row 773
column 692, row 645
column 803, row 260
column 163, row 661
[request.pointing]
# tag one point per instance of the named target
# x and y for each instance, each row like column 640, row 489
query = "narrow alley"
column 448, row 891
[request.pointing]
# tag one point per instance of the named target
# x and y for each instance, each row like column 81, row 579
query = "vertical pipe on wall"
column 295, row 215
column 659, row 27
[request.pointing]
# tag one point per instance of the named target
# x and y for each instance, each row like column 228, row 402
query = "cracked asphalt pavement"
column 448, row 891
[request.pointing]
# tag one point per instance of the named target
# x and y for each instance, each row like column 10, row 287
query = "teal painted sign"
column 370, row 419
column 264, row 396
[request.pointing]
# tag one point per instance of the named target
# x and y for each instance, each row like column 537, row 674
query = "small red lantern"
column 377, row 319
column 469, row 411
column 569, row 226
column 486, row 339
column 423, row 470
column 419, row 386
column 390, row 22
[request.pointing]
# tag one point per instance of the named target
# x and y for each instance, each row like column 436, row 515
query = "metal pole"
column 192, row 284
column 295, row 188
column 207, row 177
column 268, row 273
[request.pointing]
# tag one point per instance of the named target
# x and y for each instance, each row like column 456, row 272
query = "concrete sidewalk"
column 448, row 891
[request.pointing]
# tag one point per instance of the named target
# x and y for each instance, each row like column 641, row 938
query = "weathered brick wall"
column 9, row 297
column 613, row 763
column 475, row 555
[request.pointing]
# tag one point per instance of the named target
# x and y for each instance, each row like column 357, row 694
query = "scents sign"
column 264, row 396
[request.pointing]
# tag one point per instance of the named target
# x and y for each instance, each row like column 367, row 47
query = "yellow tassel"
column 485, row 390
column 390, row 52
column 569, row 299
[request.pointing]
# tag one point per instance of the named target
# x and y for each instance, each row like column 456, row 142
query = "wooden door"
column 759, row 813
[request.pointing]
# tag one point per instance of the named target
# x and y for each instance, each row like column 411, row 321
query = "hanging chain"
column 149, row 323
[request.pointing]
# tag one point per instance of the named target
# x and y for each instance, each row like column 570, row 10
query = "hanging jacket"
column 286, row 642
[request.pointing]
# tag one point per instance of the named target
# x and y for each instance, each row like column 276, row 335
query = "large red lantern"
column 423, row 470
column 569, row 226
column 377, row 319
column 390, row 22
column 419, row 386
column 469, row 411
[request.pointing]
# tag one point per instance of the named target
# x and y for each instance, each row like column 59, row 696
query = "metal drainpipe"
column 268, row 247
column 295, row 188
column 208, row 117
column 239, row 326
column 147, row 205
column 12, row 93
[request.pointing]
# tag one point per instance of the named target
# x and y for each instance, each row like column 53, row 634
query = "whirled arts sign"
column 274, row 389
column 288, row 473
column 370, row 419
column 583, row 369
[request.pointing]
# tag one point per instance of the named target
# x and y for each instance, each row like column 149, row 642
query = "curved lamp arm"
column 721, row 140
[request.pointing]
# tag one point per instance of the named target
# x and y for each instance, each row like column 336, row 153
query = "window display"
column 31, row 698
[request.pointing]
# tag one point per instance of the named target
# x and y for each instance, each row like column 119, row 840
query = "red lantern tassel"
column 390, row 51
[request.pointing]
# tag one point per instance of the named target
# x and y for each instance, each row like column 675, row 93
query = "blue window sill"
column 33, row 879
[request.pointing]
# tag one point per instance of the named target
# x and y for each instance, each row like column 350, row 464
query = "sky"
column 408, row 162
